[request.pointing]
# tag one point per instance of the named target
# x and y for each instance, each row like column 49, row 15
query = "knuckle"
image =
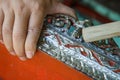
column 21, row 9
column 6, row 7
column 38, row 7
column 7, row 30
column 34, row 30
column 18, row 36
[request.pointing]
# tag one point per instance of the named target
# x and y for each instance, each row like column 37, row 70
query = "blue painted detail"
column 117, row 41
column 80, row 16
column 70, row 31
column 106, row 41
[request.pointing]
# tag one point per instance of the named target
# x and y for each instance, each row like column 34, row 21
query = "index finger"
column 34, row 29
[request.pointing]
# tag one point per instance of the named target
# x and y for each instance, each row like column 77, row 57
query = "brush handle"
column 101, row 32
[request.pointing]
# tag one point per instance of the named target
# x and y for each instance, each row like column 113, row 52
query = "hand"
column 21, row 22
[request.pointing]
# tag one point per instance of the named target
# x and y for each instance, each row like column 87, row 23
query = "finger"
column 7, row 30
column 19, row 33
column 34, row 29
column 1, row 22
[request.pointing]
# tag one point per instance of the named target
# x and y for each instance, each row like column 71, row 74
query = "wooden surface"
column 101, row 32
column 41, row 67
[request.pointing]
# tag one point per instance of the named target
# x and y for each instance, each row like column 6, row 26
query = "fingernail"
column 22, row 58
column 12, row 53
column 29, row 54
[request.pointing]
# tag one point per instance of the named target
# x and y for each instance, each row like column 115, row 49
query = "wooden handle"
column 101, row 32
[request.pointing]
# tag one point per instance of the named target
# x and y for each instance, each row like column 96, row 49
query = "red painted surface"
column 41, row 67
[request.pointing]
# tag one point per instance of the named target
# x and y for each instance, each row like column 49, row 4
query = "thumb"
column 61, row 8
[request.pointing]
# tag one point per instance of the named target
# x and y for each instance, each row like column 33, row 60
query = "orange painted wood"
column 41, row 67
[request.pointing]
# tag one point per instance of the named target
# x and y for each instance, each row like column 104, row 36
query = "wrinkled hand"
column 21, row 23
